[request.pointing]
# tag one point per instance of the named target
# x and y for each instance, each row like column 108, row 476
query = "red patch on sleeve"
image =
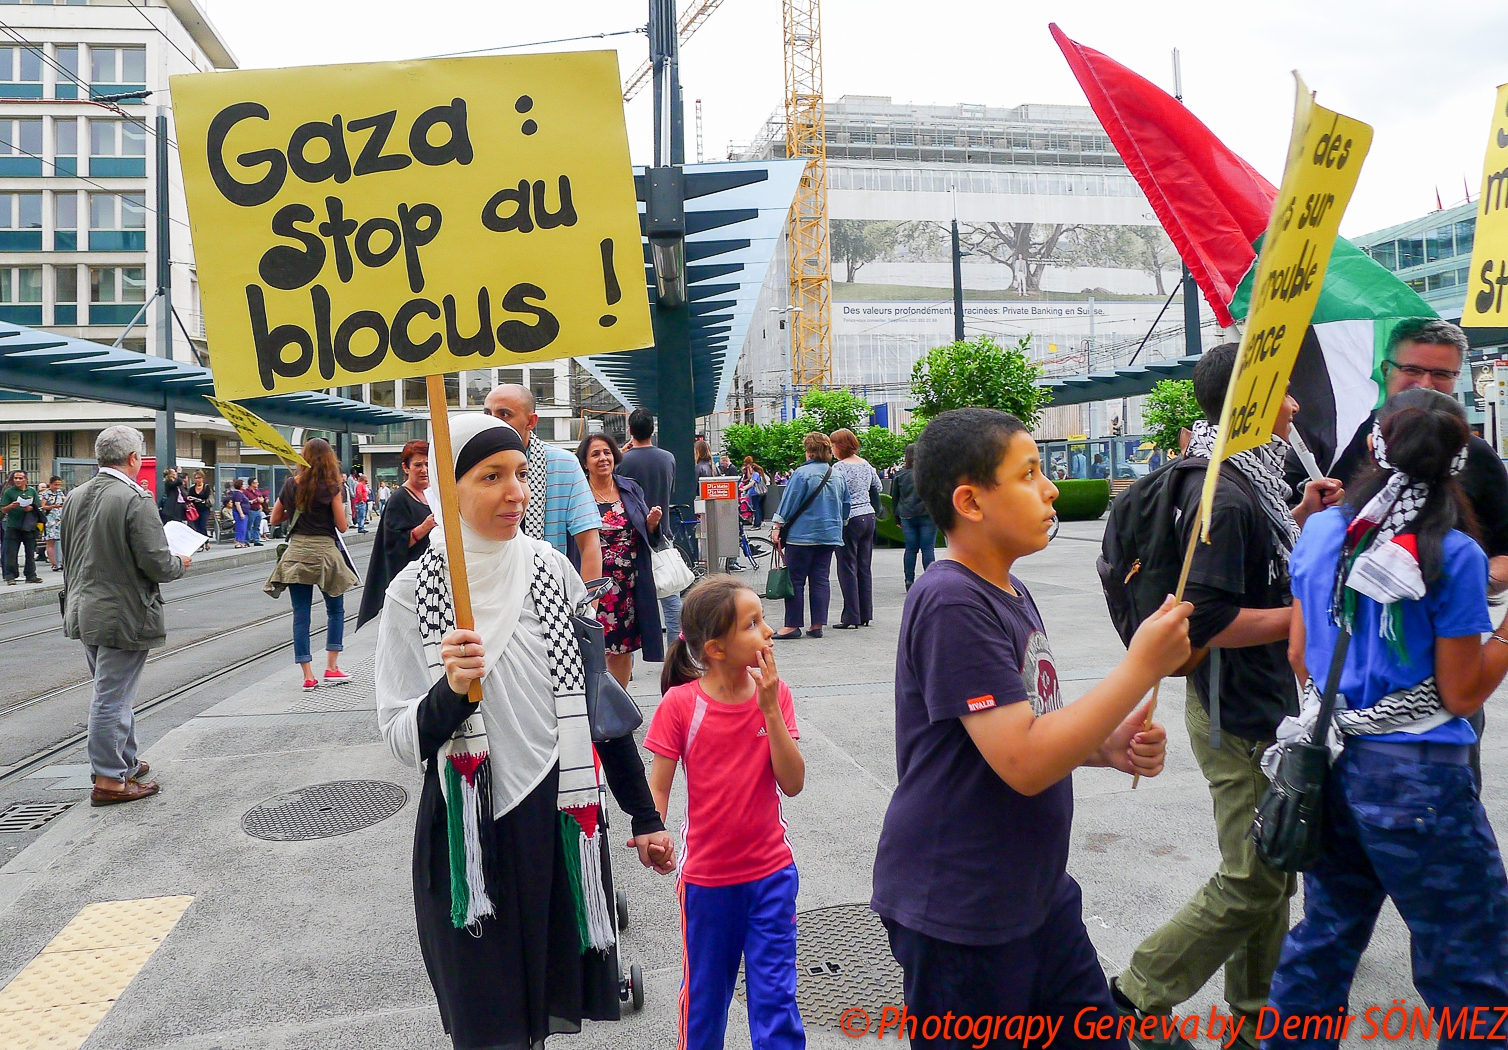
column 982, row 703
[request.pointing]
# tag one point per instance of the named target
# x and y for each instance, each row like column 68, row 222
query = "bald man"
column 561, row 509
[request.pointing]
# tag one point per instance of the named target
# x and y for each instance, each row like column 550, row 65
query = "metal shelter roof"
column 731, row 237
column 1122, row 382
column 46, row 363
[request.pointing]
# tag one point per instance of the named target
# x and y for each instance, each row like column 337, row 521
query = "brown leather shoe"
column 142, row 769
column 133, row 790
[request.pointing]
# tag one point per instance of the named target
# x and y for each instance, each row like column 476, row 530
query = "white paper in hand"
column 183, row 541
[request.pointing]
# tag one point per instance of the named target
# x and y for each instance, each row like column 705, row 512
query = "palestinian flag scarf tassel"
column 467, row 787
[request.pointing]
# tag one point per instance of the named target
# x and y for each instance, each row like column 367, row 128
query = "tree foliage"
column 778, row 446
column 1169, row 408
column 857, row 242
column 883, row 448
column 979, row 373
column 829, row 410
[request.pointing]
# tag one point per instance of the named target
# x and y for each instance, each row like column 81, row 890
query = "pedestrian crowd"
column 1376, row 582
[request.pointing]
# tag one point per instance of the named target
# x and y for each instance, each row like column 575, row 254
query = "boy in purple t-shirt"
column 970, row 876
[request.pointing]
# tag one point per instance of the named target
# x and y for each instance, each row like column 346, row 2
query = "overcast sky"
column 1422, row 74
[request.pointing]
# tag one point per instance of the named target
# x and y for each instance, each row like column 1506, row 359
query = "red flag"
column 1438, row 205
column 1211, row 202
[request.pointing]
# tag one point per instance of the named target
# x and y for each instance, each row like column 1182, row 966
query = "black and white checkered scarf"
column 466, row 755
column 1263, row 467
column 539, row 484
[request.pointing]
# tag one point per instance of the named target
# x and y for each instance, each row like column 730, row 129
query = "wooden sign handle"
column 442, row 469
column 1183, row 580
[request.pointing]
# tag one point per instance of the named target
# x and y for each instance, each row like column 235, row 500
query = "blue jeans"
column 1414, row 832
column 254, row 527
column 361, row 517
column 809, row 566
column 920, row 535
column 335, row 616
column 750, row 921
column 241, row 523
column 670, row 616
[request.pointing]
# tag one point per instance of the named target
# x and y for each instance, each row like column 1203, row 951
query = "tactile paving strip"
column 324, row 810
column 355, row 695
column 63, row 993
column 843, row 960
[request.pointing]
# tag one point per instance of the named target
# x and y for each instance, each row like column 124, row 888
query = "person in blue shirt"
column 808, row 528
column 1402, row 817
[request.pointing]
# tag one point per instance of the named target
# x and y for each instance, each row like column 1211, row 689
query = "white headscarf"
column 497, row 570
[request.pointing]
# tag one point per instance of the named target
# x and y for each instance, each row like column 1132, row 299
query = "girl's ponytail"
column 707, row 613
column 679, row 667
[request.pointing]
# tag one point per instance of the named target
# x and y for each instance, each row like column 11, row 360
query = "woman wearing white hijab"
column 510, row 888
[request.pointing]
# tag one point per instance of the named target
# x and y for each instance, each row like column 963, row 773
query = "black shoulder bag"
column 1290, row 817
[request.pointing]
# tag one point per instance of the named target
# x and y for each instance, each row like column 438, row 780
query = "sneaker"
column 1126, row 1008
column 336, row 677
column 310, row 683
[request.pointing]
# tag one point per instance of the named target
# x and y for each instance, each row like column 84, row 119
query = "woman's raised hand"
column 654, row 517
column 461, row 652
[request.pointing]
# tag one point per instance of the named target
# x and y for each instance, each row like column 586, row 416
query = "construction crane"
column 685, row 26
column 806, row 137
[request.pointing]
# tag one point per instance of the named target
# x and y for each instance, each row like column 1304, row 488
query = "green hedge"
column 887, row 527
column 1082, row 500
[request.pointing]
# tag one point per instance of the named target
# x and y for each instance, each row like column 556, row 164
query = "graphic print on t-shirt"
column 1040, row 675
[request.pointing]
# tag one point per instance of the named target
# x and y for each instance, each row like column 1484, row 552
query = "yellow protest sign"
column 257, row 432
column 367, row 222
column 1325, row 153
column 1485, row 306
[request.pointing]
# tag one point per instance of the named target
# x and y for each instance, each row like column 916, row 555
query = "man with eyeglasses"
column 1431, row 353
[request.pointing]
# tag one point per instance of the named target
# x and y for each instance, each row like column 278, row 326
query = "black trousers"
column 855, row 578
column 809, row 569
column 23, row 540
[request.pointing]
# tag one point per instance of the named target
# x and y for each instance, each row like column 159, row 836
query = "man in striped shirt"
column 571, row 518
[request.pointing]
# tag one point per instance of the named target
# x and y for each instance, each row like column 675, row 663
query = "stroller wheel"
column 622, row 901
column 636, row 986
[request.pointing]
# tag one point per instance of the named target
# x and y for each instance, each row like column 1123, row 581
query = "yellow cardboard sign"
column 367, row 222
column 1488, row 289
column 1325, row 153
column 257, row 432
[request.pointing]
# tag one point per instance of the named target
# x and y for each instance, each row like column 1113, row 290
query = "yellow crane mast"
column 806, row 137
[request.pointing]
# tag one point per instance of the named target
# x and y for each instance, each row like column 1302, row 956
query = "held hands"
column 1136, row 748
column 461, row 652
column 767, row 684
column 656, row 851
column 1318, row 495
column 1161, row 644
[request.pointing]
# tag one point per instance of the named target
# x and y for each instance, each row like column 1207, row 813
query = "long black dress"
column 531, row 944
column 391, row 553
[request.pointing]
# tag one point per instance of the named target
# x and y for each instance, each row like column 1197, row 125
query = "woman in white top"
column 510, row 785
column 854, row 557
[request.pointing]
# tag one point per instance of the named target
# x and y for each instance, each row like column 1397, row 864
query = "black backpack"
column 1141, row 555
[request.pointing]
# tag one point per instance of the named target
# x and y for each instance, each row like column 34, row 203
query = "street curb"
column 47, row 594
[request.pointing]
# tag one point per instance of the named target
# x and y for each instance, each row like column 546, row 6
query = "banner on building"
column 379, row 221
column 1488, row 287
column 1325, row 154
column 257, row 432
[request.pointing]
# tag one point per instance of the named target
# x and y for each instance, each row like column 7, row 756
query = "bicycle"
column 683, row 525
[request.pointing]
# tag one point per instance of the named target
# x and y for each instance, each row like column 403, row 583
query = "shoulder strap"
column 1332, row 685
column 786, row 527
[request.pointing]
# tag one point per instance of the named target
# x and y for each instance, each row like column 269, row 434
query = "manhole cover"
column 323, row 810
column 29, row 816
column 843, row 960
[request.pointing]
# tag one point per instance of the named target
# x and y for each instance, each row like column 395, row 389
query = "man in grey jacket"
column 115, row 556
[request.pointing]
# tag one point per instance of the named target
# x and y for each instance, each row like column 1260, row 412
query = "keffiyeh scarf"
column 465, row 774
column 1377, row 558
column 539, row 483
column 1263, row 467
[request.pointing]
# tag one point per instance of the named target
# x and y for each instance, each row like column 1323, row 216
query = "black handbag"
column 610, row 711
column 1290, row 818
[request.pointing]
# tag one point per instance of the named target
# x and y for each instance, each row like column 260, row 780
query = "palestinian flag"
column 1215, row 208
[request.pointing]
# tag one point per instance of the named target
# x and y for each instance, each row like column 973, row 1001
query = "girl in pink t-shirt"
column 729, row 719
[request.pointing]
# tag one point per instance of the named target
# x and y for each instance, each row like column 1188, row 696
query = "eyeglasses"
column 1439, row 375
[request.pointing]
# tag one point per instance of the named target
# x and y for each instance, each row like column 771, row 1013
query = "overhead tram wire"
column 538, row 43
column 100, row 186
column 114, row 107
column 158, row 29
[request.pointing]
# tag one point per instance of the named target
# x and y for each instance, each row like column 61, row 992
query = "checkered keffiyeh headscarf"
column 1378, row 559
column 1263, row 467
column 465, row 771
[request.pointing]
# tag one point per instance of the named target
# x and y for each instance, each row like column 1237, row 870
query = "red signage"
column 719, row 488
